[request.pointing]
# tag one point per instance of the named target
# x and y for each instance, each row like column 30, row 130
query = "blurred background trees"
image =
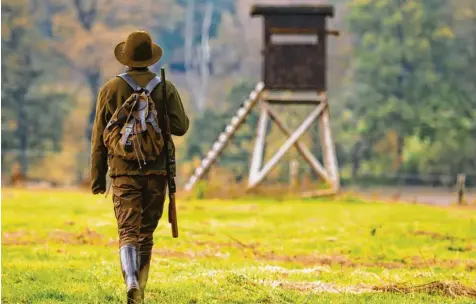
column 402, row 86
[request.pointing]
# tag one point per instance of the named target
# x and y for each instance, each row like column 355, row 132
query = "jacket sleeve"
column 98, row 149
column 179, row 121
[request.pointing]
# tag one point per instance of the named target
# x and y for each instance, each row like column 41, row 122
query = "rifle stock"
column 173, row 215
column 172, row 212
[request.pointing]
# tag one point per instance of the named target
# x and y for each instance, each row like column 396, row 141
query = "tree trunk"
column 400, row 147
column 93, row 79
column 197, row 57
column 406, row 70
column 356, row 159
column 22, row 131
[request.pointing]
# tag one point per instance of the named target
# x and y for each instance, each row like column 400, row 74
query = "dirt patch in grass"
column 448, row 289
column 438, row 236
column 236, row 244
column 86, row 237
column 320, row 287
column 410, row 263
column 221, row 250
column 17, row 238
column 190, row 254
column 451, row 289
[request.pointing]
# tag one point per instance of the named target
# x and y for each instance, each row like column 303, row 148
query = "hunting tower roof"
column 318, row 9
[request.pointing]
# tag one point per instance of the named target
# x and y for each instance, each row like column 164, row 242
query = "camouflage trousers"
column 138, row 206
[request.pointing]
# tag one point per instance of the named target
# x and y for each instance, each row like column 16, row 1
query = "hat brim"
column 125, row 60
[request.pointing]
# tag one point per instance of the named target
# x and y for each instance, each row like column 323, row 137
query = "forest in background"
column 402, row 81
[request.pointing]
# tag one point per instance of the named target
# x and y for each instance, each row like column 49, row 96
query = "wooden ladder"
column 225, row 136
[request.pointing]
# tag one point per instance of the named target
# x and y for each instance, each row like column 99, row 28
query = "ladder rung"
column 241, row 112
column 222, row 137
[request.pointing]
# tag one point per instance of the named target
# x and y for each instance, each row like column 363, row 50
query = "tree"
column 23, row 126
column 410, row 78
column 86, row 44
column 197, row 57
column 394, row 71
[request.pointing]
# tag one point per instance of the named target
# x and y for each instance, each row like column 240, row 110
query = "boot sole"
column 133, row 296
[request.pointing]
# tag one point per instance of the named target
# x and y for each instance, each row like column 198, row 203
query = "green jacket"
column 111, row 96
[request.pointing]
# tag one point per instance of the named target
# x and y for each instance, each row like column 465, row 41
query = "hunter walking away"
column 320, row 151
column 136, row 114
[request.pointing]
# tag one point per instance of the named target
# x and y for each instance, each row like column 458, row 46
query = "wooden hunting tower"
column 294, row 46
column 294, row 73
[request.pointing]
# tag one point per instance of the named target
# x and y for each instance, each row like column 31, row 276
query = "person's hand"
column 99, row 186
column 99, row 191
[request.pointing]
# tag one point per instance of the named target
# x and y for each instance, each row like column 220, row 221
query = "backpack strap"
column 152, row 84
column 152, row 119
column 130, row 81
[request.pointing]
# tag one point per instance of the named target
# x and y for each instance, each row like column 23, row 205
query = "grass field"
column 60, row 247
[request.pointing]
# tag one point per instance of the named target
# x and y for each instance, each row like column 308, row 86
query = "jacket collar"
column 132, row 69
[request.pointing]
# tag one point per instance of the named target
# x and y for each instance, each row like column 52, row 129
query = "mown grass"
column 60, row 247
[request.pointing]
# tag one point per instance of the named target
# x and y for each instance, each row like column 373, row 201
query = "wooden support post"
column 257, row 158
column 328, row 149
column 293, row 175
column 460, row 185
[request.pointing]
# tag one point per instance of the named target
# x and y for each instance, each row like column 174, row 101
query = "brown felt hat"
column 138, row 51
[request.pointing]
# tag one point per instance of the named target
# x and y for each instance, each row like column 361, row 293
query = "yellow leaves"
column 465, row 10
column 347, row 115
column 389, row 146
column 12, row 125
column 14, row 15
column 146, row 13
column 23, row 21
column 5, row 32
column 411, row 5
column 424, row 44
column 65, row 24
column 443, row 32
column 362, row 2
column 88, row 49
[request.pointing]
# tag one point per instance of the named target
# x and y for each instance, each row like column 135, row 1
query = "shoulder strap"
column 152, row 84
column 130, row 81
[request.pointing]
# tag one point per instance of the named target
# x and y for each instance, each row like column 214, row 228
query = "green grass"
column 61, row 247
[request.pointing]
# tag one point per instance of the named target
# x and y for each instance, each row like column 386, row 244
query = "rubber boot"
column 144, row 266
column 130, row 272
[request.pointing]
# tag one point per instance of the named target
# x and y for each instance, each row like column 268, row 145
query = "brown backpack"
column 133, row 132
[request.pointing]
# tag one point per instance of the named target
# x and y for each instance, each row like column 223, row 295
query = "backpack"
column 133, row 132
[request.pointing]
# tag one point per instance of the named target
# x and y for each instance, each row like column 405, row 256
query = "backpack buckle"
column 142, row 90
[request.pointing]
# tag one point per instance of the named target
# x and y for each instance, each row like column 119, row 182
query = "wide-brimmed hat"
column 138, row 50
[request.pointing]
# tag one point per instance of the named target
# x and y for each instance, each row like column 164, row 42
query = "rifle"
column 169, row 161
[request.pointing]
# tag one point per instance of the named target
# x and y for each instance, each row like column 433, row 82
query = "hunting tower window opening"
column 305, row 39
